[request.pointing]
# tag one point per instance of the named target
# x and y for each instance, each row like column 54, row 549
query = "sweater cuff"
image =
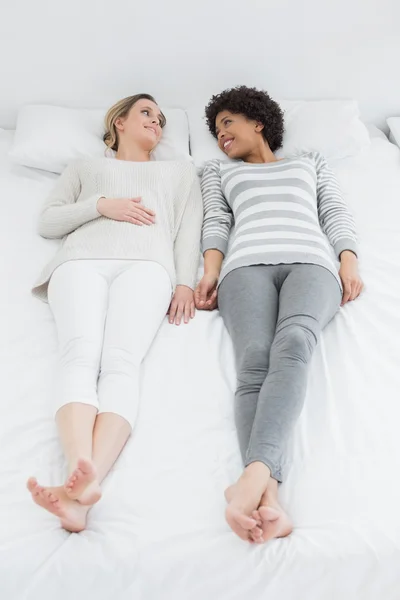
column 187, row 280
column 215, row 243
column 186, row 274
column 91, row 204
column 345, row 244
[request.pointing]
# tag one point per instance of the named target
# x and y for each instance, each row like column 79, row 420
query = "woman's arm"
column 187, row 241
column 213, row 260
column 61, row 213
column 338, row 224
column 217, row 221
column 216, row 229
column 335, row 218
column 186, row 254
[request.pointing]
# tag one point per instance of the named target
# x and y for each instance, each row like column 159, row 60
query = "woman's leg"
column 75, row 422
column 309, row 298
column 138, row 302
column 110, row 434
column 248, row 302
column 78, row 300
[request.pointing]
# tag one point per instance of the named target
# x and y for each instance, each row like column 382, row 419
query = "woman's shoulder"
column 80, row 165
column 313, row 156
column 216, row 163
column 212, row 166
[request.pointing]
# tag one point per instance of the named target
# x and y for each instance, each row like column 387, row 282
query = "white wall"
column 92, row 52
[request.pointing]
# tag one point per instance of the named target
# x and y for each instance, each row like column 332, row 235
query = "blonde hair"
column 121, row 110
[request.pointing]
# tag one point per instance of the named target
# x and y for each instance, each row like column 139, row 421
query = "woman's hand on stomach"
column 130, row 210
column 182, row 305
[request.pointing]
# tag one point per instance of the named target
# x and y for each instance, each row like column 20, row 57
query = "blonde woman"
column 131, row 236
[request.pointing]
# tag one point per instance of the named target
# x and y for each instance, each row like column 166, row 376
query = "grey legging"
column 274, row 315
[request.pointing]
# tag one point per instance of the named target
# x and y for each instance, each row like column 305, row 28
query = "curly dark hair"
column 254, row 104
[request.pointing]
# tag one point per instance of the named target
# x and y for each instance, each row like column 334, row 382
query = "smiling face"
column 142, row 124
column 237, row 136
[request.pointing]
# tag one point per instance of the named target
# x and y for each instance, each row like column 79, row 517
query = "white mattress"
column 159, row 532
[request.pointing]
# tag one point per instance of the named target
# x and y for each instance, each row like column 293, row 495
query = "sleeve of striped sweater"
column 218, row 216
column 61, row 213
column 334, row 215
column 187, row 241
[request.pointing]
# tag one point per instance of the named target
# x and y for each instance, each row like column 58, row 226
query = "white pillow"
column 332, row 127
column 49, row 137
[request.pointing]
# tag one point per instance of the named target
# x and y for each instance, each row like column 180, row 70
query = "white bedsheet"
column 159, row 532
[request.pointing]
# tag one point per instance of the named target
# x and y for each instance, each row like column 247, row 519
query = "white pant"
column 107, row 313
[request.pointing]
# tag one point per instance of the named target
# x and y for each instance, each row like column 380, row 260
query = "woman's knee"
column 252, row 364
column 118, row 360
column 296, row 341
column 81, row 352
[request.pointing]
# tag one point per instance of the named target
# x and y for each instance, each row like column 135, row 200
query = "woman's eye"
column 145, row 112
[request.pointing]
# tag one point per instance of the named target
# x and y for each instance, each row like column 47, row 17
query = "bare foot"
column 243, row 498
column 275, row 523
column 82, row 484
column 54, row 499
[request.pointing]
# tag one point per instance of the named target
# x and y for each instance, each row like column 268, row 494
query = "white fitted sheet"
column 159, row 532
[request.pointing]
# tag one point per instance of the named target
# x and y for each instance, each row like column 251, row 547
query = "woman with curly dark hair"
column 277, row 283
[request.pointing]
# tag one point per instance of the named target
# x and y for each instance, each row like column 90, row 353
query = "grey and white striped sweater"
column 280, row 212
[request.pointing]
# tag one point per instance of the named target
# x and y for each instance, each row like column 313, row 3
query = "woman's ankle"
column 273, row 486
column 257, row 470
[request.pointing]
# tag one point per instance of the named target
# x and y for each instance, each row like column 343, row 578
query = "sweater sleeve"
column 62, row 212
column 334, row 215
column 217, row 213
column 187, row 241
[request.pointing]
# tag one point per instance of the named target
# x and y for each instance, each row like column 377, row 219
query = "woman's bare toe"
column 239, row 522
column 55, row 500
column 33, row 486
column 82, row 484
column 275, row 522
column 256, row 516
column 243, row 500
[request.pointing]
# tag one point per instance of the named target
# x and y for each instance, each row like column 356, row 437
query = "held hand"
column 126, row 209
column 182, row 305
column 351, row 280
column 205, row 294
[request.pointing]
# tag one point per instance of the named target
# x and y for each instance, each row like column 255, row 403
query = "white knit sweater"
column 170, row 188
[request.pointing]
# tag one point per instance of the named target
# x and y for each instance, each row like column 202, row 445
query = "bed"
column 159, row 532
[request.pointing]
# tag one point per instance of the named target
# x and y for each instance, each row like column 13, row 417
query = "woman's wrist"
column 100, row 204
column 212, row 273
column 348, row 256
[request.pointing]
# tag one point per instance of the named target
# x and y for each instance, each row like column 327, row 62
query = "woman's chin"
column 149, row 145
column 231, row 155
column 228, row 154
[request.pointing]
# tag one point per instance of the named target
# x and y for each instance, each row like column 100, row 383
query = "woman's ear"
column 259, row 126
column 119, row 124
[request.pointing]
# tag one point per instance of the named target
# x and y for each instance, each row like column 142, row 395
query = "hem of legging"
column 76, row 402
column 119, row 414
column 276, row 472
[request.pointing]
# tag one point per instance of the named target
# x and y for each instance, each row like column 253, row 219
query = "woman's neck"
column 261, row 154
column 132, row 153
